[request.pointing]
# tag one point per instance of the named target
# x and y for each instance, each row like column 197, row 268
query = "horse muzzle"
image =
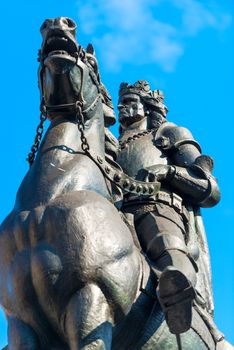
column 59, row 76
column 59, row 41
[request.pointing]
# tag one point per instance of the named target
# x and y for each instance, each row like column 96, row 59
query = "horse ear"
column 90, row 49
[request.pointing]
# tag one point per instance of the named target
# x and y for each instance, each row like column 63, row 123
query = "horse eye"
column 120, row 106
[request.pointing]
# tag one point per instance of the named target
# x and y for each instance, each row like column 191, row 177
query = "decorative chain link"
column 112, row 174
column 134, row 137
column 37, row 140
column 40, row 129
column 81, row 127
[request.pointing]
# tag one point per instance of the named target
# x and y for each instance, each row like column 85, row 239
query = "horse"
column 71, row 275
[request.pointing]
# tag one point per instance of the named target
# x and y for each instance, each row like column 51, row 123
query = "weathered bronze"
column 154, row 149
column 73, row 275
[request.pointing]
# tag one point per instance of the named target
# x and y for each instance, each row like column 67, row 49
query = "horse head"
column 66, row 77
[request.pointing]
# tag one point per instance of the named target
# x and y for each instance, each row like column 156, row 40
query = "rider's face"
column 130, row 109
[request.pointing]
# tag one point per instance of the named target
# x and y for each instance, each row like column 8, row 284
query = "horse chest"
column 51, row 178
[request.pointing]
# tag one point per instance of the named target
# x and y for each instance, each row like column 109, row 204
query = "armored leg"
column 162, row 235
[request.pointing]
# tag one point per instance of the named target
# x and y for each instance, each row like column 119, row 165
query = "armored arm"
column 191, row 172
column 196, row 185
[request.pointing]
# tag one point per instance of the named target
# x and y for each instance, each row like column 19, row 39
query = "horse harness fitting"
column 113, row 172
column 37, row 139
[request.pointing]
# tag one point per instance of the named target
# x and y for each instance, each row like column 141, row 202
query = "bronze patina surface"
column 75, row 271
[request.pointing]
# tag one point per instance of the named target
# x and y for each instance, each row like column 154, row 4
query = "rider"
column 153, row 149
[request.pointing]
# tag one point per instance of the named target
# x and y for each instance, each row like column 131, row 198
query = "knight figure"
column 153, row 149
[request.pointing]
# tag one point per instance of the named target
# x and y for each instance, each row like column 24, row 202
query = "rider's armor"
column 161, row 221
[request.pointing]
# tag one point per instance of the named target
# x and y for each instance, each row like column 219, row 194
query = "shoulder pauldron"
column 171, row 137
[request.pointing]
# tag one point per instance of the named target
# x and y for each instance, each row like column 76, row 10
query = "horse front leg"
column 88, row 321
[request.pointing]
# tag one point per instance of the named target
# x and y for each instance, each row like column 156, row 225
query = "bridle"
column 110, row 170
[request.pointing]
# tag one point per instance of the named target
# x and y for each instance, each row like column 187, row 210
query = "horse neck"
column 62, row 166
column 63, row 133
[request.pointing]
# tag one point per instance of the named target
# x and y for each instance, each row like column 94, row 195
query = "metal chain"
column 40, row 129
column 37, row 140
column 115, row 177
column 81, row 126
column 134, row 137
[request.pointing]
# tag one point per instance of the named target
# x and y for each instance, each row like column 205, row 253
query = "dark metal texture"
column 37, row 140
column 71, row 276
column 152, row 149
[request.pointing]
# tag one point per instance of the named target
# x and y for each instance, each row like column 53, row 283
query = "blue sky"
column 183, row 47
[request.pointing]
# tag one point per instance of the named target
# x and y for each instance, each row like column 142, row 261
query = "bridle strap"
column 72, row 106
column 114, row 174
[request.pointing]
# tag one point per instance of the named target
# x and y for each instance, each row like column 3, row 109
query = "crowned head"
column 138, row 102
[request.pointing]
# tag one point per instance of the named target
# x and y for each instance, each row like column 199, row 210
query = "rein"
column 113, row 172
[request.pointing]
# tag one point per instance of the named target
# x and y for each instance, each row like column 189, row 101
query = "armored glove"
column 159, row 172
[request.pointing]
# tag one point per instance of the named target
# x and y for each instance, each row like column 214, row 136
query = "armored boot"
column 162, row 233
column 176, row 295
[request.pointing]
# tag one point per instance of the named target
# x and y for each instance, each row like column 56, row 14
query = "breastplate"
column 140, row 154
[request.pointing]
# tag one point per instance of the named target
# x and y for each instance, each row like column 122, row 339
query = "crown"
column 154, row 98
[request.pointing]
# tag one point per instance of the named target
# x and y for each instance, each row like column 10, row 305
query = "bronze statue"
column 72, row 275
column 152, row 148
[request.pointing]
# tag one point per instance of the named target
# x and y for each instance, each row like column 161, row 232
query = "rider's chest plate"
column 140, row 154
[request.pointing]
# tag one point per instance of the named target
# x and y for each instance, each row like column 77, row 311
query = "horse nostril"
column 71, row 24
column 60, row 22
column 64, row 21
